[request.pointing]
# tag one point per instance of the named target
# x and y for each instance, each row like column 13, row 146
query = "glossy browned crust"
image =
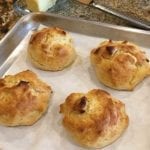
column 95, row 119
column 23, row 99
column 120, row 64
column 51, row 49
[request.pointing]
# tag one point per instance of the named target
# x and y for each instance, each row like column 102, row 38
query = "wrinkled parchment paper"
column 48, row 133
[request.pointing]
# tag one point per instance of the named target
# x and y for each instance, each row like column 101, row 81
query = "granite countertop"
column 75, row 9
column 135, row 8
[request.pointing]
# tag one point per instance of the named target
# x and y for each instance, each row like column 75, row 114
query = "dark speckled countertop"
column 73, row 8
column 135, row 8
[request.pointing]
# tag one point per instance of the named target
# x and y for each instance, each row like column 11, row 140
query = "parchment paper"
column 48, row 133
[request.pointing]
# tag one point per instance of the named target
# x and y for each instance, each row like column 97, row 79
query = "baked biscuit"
column 23, row 99
column 51, row 49
column 95, row 119
column 120, row 64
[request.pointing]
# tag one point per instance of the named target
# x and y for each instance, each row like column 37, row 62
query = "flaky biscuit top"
column 120, row 64
column 21, row 93
column 51, row 49
column 51, row 41
column 116, row 49
column 91, row 115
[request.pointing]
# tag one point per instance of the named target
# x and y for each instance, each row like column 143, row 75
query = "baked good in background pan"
column 51, row 49
column 120, row 64
column 24, row 99
column 94, row 119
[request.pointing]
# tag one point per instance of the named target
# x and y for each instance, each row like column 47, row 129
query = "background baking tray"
column 32, row 21
column 48, row 132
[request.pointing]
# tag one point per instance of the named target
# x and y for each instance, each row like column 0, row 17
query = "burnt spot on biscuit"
column 110, row 49
column 63, row 32
column 147, row 60
column 2, row 83
column 125, row 42
column 23, row 84
column 110, row 41
column 33, row 38
column 81, row 104
column 60, row 31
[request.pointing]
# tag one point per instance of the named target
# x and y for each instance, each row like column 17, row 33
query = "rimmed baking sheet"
column 48, row 132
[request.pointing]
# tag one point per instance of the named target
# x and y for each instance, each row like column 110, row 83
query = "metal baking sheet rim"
column 33, row 20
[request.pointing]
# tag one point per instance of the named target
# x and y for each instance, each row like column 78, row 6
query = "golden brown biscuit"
column 95, row 119
column 23, row 99
column 120, row 64
column 51, row 49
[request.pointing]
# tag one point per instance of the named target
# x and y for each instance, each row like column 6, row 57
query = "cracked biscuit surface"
column 51, row 49
column 94, row 119
column 24, row 99
column 120, row 64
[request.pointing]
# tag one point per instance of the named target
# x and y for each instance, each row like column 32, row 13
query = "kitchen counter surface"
column 135, row 8
column 73, row 8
